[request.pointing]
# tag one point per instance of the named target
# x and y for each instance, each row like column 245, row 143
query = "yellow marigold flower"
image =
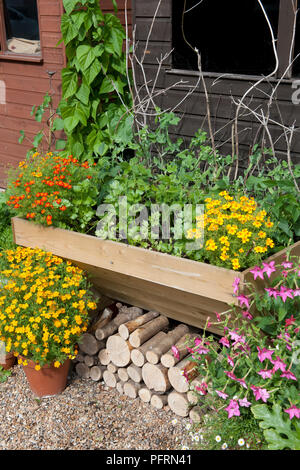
column 235, row 263
column 270, row 243
column 231, row 229
column 260, row 249
column 211, row 245
column 262, row 234
column 257, row 223
column 92, row 305
column 57, row 364
column 37, row 367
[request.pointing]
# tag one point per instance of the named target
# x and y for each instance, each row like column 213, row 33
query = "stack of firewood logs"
column 131, row 351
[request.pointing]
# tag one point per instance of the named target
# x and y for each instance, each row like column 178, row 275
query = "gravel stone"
column 87, row 415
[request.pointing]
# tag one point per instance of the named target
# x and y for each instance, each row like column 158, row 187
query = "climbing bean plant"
column 95, row 91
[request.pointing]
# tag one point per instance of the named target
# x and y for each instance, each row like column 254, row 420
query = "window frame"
column 7, row 55
column 284, row 38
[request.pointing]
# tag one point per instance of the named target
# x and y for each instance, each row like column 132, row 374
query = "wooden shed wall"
column 27, row 82
column 193, row 109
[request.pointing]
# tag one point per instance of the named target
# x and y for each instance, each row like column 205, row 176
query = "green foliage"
column 94, row 82
column 4, row 212
column 4, row 374
column 45, row 138
column 274, row 186
column 279, row 431
column 218, row 432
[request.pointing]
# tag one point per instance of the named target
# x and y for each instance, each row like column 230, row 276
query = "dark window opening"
column 232, row 36
column 21, row 27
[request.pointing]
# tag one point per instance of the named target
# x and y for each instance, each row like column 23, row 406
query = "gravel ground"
column 87, row 415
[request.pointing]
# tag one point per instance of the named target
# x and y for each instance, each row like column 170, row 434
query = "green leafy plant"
column 216, row 432
column 279, row 431
column 45, row 140
column 4, row 374
column 274, row 186
column 244, row 366
column 94, row 83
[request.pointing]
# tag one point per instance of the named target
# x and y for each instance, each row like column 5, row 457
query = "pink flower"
column 202, row 389
column 278, row 364
column 202, row 350
column 247, row 314
column 260, row 393
column 218, row 316
column 266, row 374
column 293, row 411
column 242, row 382
column 230, row 375
column 243, row 299
column 230, row 361
column 233, row 409
column 257, row 272
column 288, row 375
column 297, row 291
column 222, row 394
column 225, row 342
column 199, row 348
column 236, row 337
column 287, row 264
column 269, row 268
column 244, row 402
column 236, row 284
column 264, row 354
column 290, row 321
column 285, row 293
column 175, row 352
column 272, row 292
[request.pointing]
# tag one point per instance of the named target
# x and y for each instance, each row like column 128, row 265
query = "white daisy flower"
column 188, row 426
column 196, row 438
column 224, row 446
column 174, row 421
column 218, row 438
column 185, row 448
column 241, row 442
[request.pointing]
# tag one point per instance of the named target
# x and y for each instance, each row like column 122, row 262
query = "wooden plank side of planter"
column 178, row 305
column 182, row 275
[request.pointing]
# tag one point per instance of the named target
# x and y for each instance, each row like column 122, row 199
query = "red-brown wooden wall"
column 27, row 82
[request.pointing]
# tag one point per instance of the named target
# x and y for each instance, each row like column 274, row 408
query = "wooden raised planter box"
column 185, row 290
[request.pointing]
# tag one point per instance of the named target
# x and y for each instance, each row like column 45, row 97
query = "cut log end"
column 178, row 403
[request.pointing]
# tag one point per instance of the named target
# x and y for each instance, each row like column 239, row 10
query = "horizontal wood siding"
column 27, row 82
column 222, row 90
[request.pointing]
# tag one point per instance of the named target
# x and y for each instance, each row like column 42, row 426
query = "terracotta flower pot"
column 49, row 380
column 9, row 361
